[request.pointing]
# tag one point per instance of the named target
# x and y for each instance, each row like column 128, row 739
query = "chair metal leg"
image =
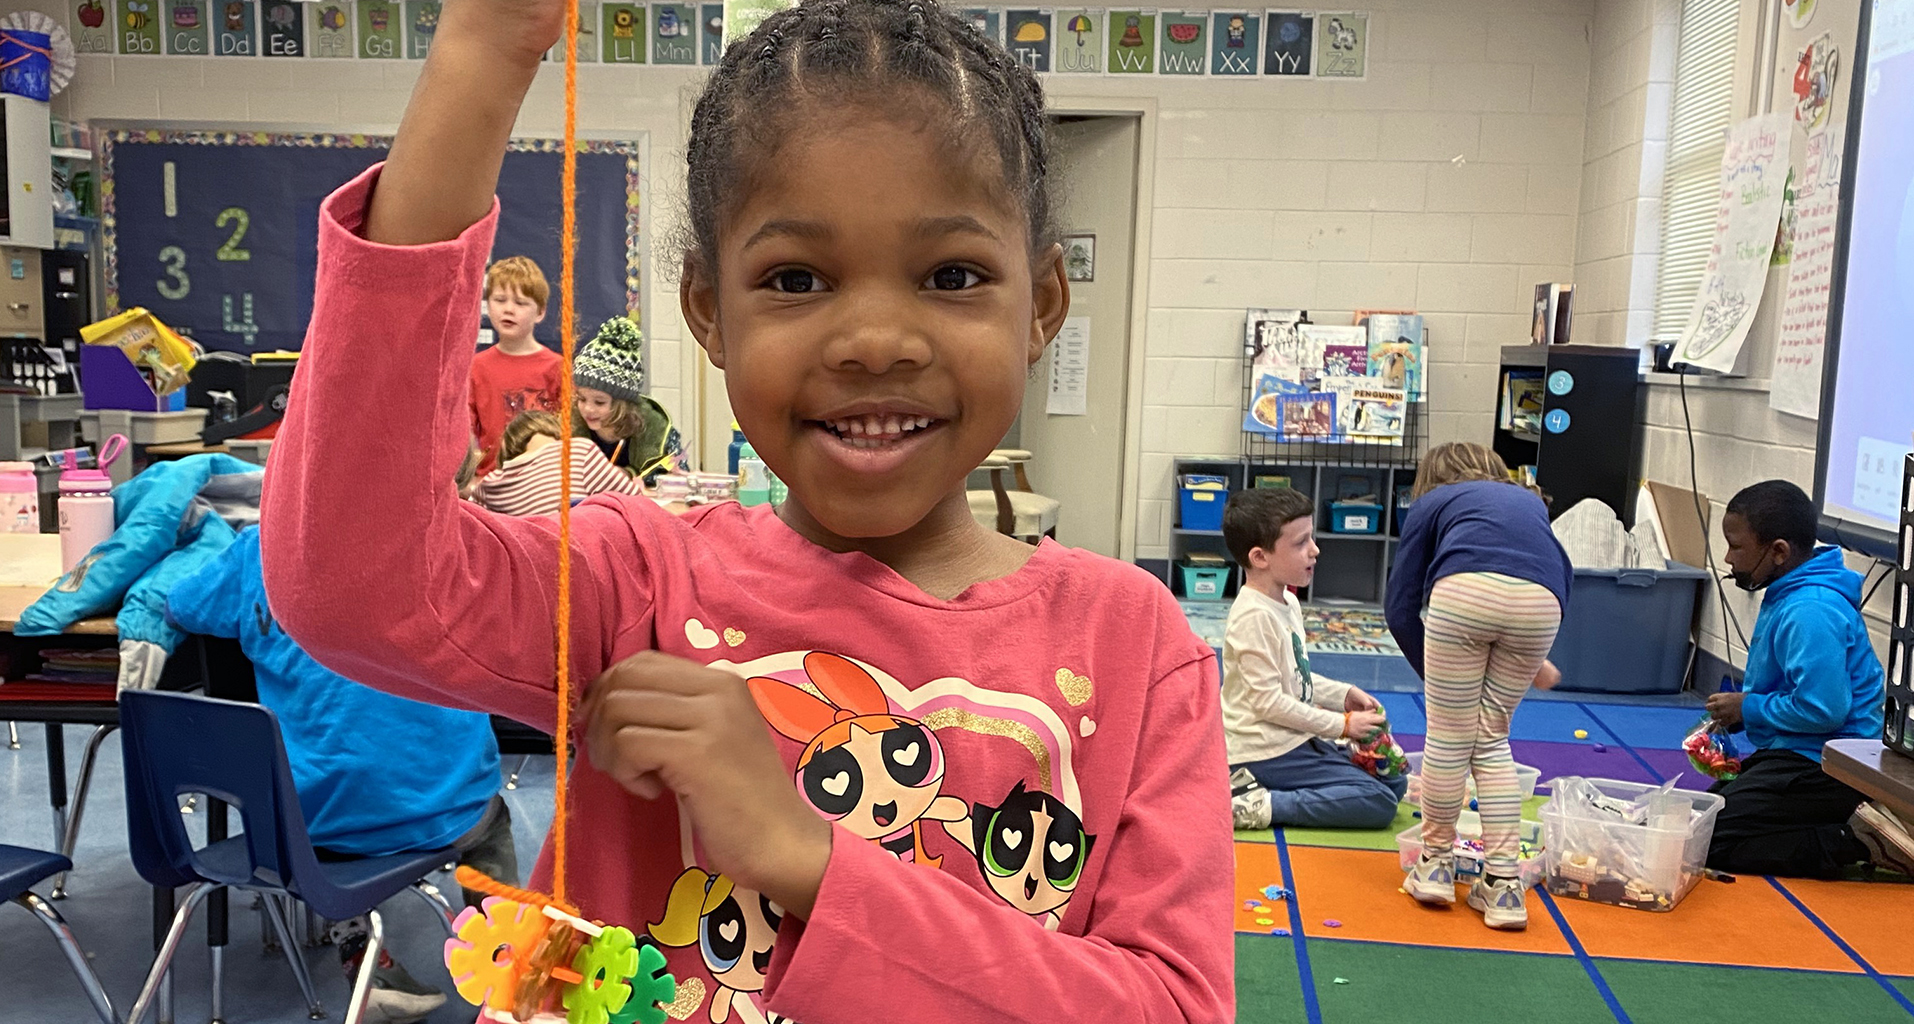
column 441, row 908
column 13, row 736
column 511, row 781
column 295, row 956
column 218, row 954
column 163, row 960
column 362, row 986
column 74, row 955
column 71, row 836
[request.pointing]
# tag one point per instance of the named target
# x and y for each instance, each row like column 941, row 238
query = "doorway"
column 1078, row 459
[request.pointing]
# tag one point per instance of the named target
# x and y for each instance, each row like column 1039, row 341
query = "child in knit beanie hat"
column 633, row 431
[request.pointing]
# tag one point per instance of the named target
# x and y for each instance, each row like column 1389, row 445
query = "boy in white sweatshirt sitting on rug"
column 1280, row 722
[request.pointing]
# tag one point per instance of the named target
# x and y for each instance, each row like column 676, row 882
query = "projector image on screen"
column 1867, row 407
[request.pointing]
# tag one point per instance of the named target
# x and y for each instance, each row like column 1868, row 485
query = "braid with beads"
column 861, row 49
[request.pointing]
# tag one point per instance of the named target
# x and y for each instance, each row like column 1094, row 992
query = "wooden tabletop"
column 14, row 600
column 181, row 449
column 1873, row 769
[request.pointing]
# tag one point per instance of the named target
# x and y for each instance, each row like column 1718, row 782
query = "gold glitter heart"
column 733, row 637
column 690, row 997
column 1075, row 688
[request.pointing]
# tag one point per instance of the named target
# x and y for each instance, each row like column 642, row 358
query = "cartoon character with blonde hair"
column 876, row 773
column 734, row 929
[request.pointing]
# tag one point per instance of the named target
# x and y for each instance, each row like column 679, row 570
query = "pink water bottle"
column 86, row 506
column 19, row 498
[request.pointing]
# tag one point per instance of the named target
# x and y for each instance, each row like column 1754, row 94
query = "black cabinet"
column 1584, row 441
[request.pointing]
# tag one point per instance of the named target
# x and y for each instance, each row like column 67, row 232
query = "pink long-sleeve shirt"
column 1028, row 780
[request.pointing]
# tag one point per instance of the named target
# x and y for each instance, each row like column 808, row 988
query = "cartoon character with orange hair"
column 876, row 773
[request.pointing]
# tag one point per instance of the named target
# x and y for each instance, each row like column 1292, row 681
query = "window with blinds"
column 1703, row 108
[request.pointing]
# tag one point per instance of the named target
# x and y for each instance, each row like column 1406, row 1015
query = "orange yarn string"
column 567, row 328
column 478, row 881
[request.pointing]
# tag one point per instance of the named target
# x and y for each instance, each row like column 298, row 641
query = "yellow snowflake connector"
column 521, row 956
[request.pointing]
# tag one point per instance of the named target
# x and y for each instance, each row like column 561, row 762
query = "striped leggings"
column 1486, row 637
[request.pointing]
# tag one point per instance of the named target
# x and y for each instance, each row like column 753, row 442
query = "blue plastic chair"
column 176, row 743
column 20, row 870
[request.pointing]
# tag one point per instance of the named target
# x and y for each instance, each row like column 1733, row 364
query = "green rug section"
column 1379, row 839
column 1267, row 988
column 1384, row 982
column 1659, row 993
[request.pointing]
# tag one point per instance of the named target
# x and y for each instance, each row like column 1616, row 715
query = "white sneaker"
column 1503, row 904
column 1250, row 809
column 391, row 1006
column 1888, row 843
column 1432, row 880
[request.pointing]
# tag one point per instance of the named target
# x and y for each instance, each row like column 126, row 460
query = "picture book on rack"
column 1269, row 331
column 1395, row 352
column 1265, row 414
column 1322, row 338
column 1310, row 415
column 1367, row 411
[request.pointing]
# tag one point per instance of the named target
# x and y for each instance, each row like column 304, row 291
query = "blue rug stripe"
column 1588, row 962
column 1617, row 738
column 1841, row 944
column 1312, row 1009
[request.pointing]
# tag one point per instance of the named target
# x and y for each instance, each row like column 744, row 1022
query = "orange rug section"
column 1871, row 918
column 1358, row 890
column 1744, row 923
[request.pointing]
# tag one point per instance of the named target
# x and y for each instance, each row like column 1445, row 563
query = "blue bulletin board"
column 217, row 232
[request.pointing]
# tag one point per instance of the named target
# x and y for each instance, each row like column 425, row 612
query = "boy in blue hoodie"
column 1812, row 676
column 376, row 774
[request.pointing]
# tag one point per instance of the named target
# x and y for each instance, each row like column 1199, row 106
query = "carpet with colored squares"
column 1354, row 950
column 1332, row 630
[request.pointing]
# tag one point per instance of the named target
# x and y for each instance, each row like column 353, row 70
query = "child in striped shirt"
column 526, row 482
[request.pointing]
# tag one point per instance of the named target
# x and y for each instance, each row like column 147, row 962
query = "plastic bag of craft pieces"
column 1606, row 848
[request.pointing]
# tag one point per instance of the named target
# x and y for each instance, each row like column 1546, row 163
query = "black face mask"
column 1746, row 580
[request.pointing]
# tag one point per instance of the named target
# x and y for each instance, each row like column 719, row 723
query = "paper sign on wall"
column 1070, row 369
column 1796, row 385
column 1754, row 178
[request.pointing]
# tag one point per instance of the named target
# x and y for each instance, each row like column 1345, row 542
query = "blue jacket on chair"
column 1812, row 675
column 376, row 774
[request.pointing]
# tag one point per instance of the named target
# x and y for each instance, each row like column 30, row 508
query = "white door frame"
column 1144, row 109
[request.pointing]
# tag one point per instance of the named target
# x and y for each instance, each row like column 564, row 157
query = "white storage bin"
column 1646, row 866
column 1468, row 860
column 1528, row 777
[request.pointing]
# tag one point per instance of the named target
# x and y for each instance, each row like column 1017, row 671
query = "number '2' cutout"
column 231, row 252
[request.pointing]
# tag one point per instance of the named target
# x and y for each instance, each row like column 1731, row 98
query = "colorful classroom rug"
column 1345, row 945
column 1332, row 630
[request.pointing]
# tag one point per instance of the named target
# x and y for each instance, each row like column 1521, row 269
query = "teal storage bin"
column 1205, row 583
column 1354, row 517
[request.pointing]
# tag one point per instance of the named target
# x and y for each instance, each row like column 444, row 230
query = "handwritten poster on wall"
column 1070, row 369
column 1796, row 385
column 1754, row 178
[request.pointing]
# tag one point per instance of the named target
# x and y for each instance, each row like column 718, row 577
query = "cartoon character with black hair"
column 1031, row 849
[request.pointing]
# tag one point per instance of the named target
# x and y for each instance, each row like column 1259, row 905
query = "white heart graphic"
column 837, row 784
column 906, row 756
column 1086, row 726
column 701, row 637
column 1062, row 851
column 1013, row 837
column 728, row 931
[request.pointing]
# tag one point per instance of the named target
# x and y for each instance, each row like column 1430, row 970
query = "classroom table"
column 192, row 665
column 1873, row 769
